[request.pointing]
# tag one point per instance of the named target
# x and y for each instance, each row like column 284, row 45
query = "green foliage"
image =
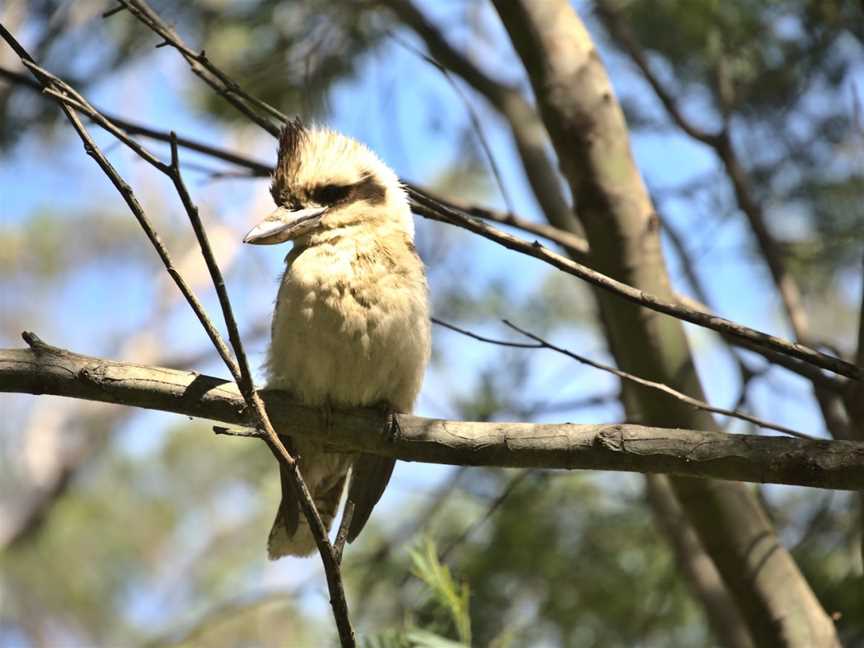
column 573, row 561
column 751, row 55
column 451, row 597
column 446, row 609
column 131, row 525
column 288, row 54
column 410, row 639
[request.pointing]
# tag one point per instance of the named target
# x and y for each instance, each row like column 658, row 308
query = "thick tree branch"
column 44, row 369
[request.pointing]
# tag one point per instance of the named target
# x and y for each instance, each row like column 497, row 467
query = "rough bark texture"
column 591, row 139
column 829, row 464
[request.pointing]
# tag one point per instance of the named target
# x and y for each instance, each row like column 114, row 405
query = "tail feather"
column 290, row 534
column 369, row 477
column 325, row 474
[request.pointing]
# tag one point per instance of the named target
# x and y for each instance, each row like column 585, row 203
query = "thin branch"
column 707, row 320
column 114, row 10
column 497, row 503
column 540, row 343
column 206, row 70
column 344, row 528
column 483, row 338
column 473, row 117
column 44, row 369
column 666, row 389
column 240, row 371
column 834, row 383
column 572, row 243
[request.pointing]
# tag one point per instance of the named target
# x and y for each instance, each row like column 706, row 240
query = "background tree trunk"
column 590, row 137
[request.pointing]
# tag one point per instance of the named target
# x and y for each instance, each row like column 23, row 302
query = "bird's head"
column 325, row 182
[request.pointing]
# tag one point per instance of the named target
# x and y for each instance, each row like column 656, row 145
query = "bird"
column 351, row 321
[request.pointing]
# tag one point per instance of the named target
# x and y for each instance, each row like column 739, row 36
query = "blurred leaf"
column 450, row 596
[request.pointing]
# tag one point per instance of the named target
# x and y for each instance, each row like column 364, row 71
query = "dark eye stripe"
column 331, row 194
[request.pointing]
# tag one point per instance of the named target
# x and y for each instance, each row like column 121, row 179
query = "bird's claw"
column 394, row 429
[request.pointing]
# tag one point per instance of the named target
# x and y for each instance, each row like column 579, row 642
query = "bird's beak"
column 284, row 225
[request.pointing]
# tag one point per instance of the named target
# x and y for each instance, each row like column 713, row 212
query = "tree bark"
column 831, row 464
column 590, row 137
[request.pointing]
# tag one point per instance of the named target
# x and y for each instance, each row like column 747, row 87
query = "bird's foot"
column 394, row 430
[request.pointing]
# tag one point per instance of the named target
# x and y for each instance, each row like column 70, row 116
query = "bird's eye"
column 331, row 194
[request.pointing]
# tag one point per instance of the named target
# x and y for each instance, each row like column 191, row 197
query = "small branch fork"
column 69, row 100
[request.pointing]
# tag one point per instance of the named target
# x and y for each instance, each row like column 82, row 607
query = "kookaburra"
column 351, row 322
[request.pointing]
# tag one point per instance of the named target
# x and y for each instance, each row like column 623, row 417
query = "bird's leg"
column 394, row 430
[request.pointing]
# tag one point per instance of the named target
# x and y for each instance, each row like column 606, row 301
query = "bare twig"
column 483, row 338
column 206, row 70
column 573, row 244
column 666, row 389
column 344, row 527
column 540, row 343
column 239, row 369
column 828, row 381
column 508, row 489
column 113, row 10
column 711, row 321
column 472, row 116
